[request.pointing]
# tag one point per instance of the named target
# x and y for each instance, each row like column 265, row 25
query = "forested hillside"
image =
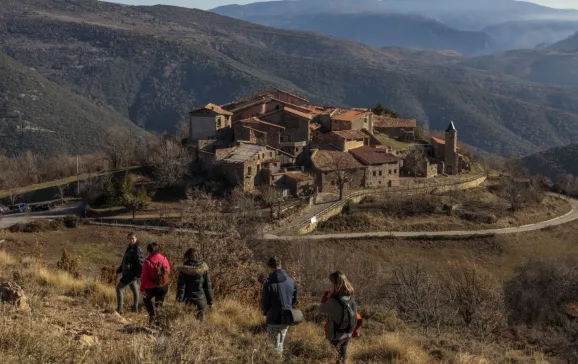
column 554, row 162
column 153, row 64
column 39, row 115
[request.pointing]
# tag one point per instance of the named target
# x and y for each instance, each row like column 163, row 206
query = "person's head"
column 341, row 285
column 191, row 254
column 274, row 263
column 132, row 238
column 153, row 248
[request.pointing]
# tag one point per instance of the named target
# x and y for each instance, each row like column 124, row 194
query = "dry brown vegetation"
column 487, row 300
column 481, row 208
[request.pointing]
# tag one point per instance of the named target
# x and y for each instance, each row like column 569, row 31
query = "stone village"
column 279, row 139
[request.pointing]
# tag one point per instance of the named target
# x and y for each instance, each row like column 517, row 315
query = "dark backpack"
column 349, row 321
column 161, row 277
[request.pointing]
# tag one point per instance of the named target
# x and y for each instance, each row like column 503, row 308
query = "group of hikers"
column 278, row 300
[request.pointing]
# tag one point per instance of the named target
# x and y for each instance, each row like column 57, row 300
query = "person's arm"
column 265, row 299
column 208, row 288
column 139, row 262
column 181, row 287
column 119, row 269
column 145, row 276
column 327, row 306
column 167, row 266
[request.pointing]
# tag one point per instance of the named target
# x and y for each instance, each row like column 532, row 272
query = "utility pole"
column 77, row 178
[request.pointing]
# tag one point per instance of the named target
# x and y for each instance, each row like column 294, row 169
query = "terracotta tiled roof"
column 368, row 155
column 438, row 140
column 389, row 122
column 329, row 160
column 255, row 120
column 216, row 108
column 351, row 115
column 299, row 176
column 298, row 113
column 286, row 92
column 350, row 134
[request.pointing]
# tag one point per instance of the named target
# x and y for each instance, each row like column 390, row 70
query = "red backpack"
column 161, row 274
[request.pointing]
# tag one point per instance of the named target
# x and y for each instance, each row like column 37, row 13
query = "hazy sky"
column 209, row 4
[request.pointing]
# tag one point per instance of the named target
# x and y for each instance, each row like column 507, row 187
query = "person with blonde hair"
column 341, row 309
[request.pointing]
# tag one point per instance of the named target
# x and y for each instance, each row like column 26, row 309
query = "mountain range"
column 469, row 26
column 154, row 64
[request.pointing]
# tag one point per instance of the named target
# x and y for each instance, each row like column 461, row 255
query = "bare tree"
column 416, row 161
column 270, row 196
column 12, row 183
column 118, row 149
column 171, row 161
column 515, row 184
column 342, row 166
column 61, row 191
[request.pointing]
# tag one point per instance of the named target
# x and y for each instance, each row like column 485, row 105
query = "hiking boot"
column 120, row 311
column 134, row 309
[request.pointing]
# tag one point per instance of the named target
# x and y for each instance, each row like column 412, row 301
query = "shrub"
column 346, row 223
column 478, row 217
column 69, row 264
column 108, row 275
column 71, row 222
column 37, row 226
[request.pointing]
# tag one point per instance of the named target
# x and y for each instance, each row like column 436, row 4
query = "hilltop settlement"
column 276, row 138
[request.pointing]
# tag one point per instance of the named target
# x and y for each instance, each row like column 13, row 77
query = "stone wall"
column 335, row 209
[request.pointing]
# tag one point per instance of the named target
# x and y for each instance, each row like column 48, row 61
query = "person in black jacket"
column 194, row 283
column 130, row 269
column 279, row 293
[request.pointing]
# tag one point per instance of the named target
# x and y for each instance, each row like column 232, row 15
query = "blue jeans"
column 278, row 332
column 133, row 285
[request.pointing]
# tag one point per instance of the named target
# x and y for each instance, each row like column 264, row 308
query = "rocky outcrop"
column 11, row 293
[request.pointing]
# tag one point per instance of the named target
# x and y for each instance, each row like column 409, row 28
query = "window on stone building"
column 333, row 183
column 390, row 171
column 381, row 173
column 395, row 171
column 270, row 154
column 375, row 173
column 249, row 171
column 219, row 123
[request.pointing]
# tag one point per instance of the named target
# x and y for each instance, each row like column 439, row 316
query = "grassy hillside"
column 73, row 318
column 153, row 64
column 39, row 115
column 554, row 162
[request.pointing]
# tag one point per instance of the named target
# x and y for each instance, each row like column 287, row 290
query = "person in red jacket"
column 154, row 279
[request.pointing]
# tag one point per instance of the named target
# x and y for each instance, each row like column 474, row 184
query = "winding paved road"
column 67, row 210
column 568, row 217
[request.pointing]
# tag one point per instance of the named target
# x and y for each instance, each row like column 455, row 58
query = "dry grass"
column 389, row 348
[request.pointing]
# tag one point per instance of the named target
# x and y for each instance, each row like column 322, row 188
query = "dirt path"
column 568, row 217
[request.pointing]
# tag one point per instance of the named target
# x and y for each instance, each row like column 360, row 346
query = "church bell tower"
column 451, row 150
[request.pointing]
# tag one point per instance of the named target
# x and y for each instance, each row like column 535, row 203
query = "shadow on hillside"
column 138, row 329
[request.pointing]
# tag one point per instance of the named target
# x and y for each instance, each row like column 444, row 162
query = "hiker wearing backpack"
column 154, row 279
column 279, row 295
column 194, row 283
column 130, row 270
column 341, row 310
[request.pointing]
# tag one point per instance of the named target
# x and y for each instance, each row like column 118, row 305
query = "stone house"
column 344, row 140
column 249, row 165
column 401, row 129
column 258, row 131
column 209, row 122
column 298, row 183
column 330, row 166
column 296, row 136
column 353, row 119
column 265, row 102
column 382, row 167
